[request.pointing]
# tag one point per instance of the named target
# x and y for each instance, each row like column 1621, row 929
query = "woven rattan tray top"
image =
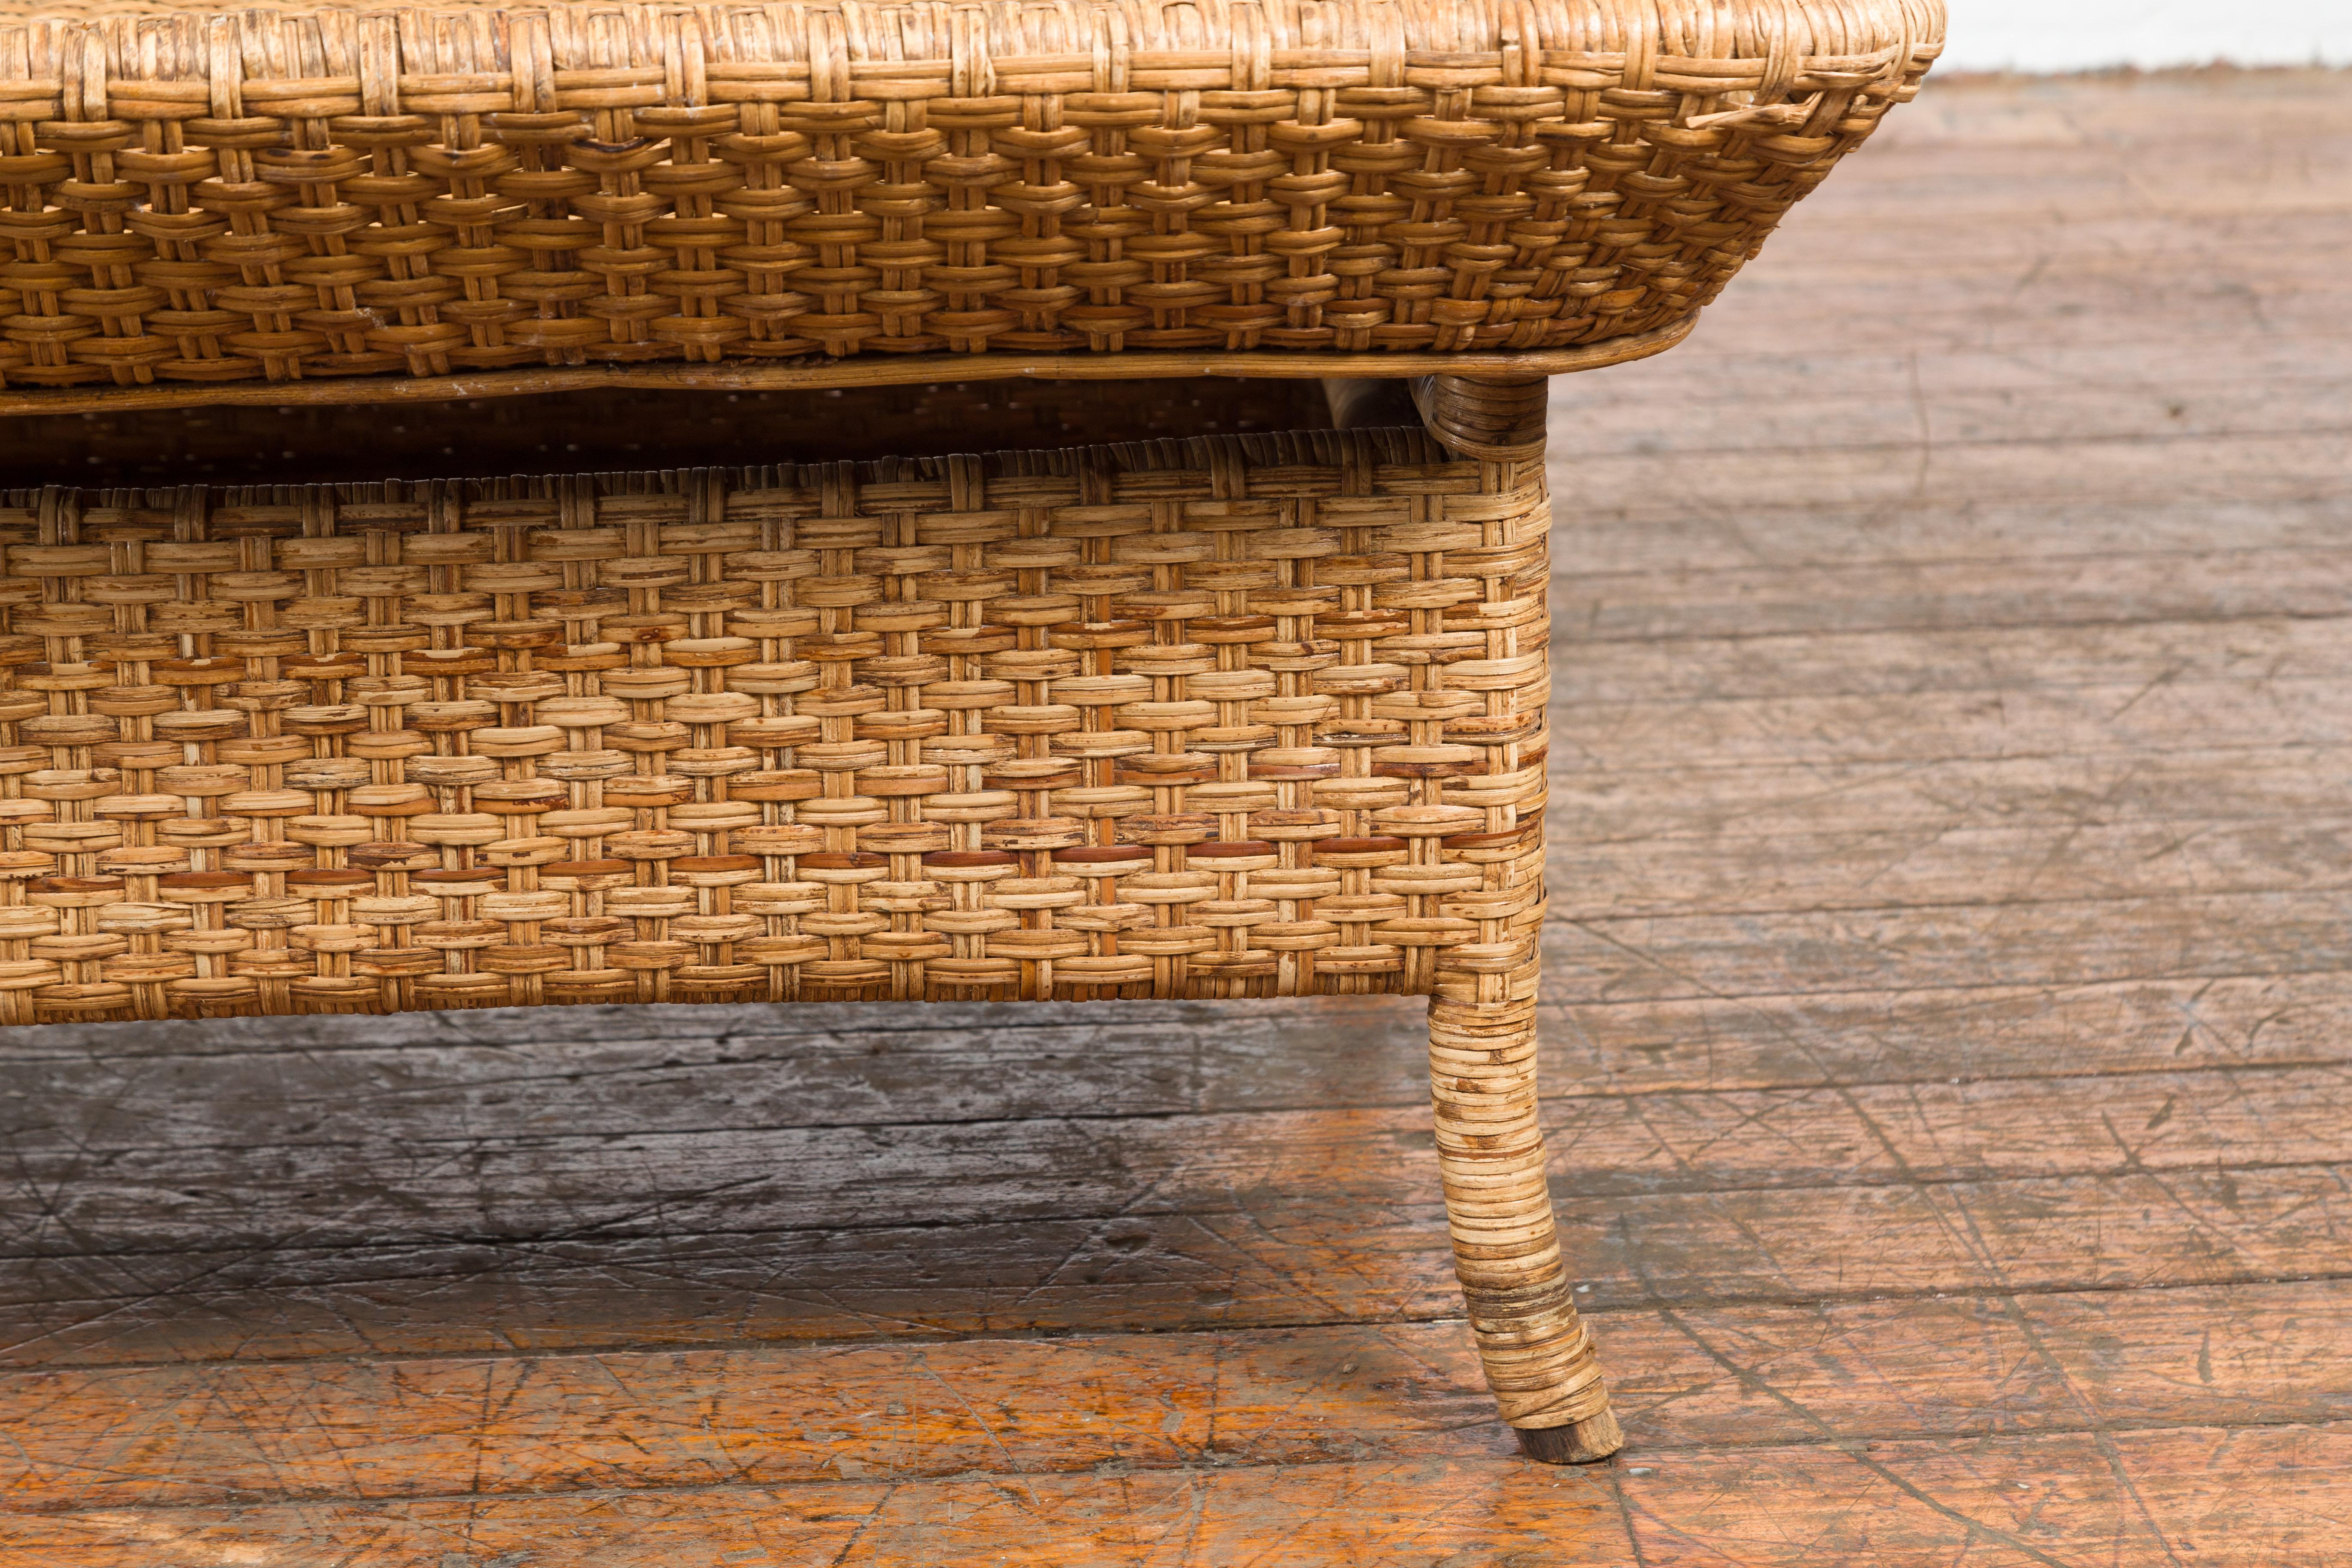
column 203, row 204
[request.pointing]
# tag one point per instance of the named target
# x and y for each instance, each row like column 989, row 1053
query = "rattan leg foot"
column 1578, row 1443
column 1537, row 1358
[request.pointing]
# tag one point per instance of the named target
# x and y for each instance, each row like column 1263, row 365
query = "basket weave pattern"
column 1230, row 717
column 205, row 199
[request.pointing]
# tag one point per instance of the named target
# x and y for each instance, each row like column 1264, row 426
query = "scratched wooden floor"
column 1950, row 1011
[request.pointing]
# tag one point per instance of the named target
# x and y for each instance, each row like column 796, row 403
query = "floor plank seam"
column 1857, row 1446
column 2127, row 1165
column 1900, row 765
column 1787, row 1088
column 2091, row 439
column 785, row 1348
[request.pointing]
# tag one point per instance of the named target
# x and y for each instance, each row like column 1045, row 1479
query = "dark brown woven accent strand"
column 205, row 199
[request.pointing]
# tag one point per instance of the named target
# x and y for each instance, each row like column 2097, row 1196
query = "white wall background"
column 2085, row 35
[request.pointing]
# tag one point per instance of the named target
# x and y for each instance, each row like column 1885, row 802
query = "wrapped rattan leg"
column 1490, row 1155
column 1498, row 420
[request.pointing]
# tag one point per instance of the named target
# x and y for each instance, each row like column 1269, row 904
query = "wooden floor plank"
column 1711, row 663
column 818, row 1027
column 2085, row 789
column 2168, row 591
column 1274, row 1259
column 1725, row 1377
column 1938, row 726
column 1418, row 1514
column 524, row 1075
column 2093, row 392
column 422, row 1169
column 1963, row 1034
column 1629, row 529
column 2239, row 468
column 2079, row 1502
column 2059, row 942
column 1688, row 1378
column 2242, row 1499
column 1255, row 1053
column 1787, row 873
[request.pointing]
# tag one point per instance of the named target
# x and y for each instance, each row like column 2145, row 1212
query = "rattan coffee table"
column 1231, row 717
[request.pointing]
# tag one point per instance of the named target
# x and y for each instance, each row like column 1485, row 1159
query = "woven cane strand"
column 200, row 199
column 1232, row 717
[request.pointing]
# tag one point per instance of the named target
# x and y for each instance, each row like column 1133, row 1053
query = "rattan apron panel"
column 199, row 200
column 1232, row 717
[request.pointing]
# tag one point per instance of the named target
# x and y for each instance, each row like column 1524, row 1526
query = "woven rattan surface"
column 1235, row 716
column 201, row 200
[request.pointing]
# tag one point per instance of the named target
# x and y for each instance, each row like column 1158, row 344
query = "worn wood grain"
column 520, row 1074
column 1690, row 1377
column 412, row 1167
column 2290, row 381
column 1412, row 1514
column 2063, row 942
column 1939, row 725
column 2086, row 789
column 1273, row 1259
column 1963, row 1033
column 817, row 1027
column 1631, row 530
column 1965, row 595
column 2241, row 1498
column 1250, row 1053
column 2052, row 1498
column 2231, row 468
column 2208, row 1495
column 1711, row 664
column 1725, row 1377
column 1782, row 873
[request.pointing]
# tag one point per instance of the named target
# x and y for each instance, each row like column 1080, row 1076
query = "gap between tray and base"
column 816, row 374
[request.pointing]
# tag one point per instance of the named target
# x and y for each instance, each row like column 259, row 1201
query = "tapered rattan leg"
column 1490, row 1155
